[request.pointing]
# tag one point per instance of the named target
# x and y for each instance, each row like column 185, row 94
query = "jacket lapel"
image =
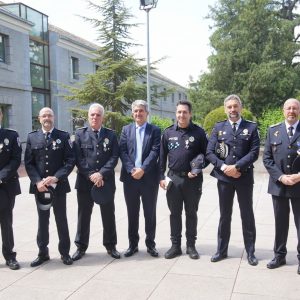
column 283, row 133
column 296, row 134
column 146, row 136
column 241, row 127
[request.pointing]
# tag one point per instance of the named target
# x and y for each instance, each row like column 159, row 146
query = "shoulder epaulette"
column 82, row 128
column 274, row 125
column 11, row 129
column 168, row 127
column 250, row 121
column 222, row 121
column 33, row 131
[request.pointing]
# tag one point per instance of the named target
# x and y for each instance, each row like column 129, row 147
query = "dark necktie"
column 96, row 133
column 290, row 132
column 234, row 127
column 47, row 136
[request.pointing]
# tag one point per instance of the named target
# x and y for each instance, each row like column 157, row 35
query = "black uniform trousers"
column 6, row 220
column 188, row 192
column 281, row 207
column 244, row 195
column 85, row 208
column 136, row 191
column 60, row 213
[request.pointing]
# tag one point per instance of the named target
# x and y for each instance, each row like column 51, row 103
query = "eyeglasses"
column 95, row 115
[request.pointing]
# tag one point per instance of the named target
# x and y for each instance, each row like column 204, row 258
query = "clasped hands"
column 290, row 179
column 97, row 179
column 42, row 185
column 231, row 171
column 137, row 173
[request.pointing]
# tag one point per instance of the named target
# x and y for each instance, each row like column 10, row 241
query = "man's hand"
column 97, row 179
column 231, row 171
column 162, row 184
column 137, row 173
column 290, row 179
column 191, row 175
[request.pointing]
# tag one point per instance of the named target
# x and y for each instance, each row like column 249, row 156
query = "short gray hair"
column 97, row 105
column 233, row 97
column 139, row 103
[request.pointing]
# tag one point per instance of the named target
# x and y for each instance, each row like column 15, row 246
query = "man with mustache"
column 233, row 147
column 282, row 161
column 49, row 159
column 97, row 152
column 10, row 159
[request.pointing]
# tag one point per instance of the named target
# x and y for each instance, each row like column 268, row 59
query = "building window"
column 165, row 94
column 3, row 48
column 173, row 97
column 179, row 96
column 74, row 68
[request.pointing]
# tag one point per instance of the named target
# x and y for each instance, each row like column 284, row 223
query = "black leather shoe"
column 252, row 260
column 66, row 259
column 298, row 269
column 39, row 260
column 130, row 251
column 192, row 252
column 114, row 253
column 217, row 257
column 78, row 254
column 276, row 262
column 152, row 251
column 13, row 264
column 173, row 252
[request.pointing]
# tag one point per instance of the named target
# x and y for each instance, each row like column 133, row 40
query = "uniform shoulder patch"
column 33, row 131
column 250, row 121
column 274, row 125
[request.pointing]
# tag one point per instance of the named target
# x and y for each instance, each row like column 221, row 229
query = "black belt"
column 180, row 174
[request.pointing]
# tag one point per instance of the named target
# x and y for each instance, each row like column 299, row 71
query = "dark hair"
column 185, row 102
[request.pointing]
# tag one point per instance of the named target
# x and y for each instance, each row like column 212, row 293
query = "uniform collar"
column 238, row 122
column 190, row 126
column 287, row 125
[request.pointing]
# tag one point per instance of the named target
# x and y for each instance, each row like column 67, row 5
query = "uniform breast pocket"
column 275, row 145
column 244, row 138
column 86, row 148
column 37, row 147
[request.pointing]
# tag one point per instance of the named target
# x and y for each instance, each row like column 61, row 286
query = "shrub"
column 162, row 123
column 268, row 118
column 218, row 114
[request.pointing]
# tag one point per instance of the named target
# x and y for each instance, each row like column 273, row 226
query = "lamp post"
column 147, row 5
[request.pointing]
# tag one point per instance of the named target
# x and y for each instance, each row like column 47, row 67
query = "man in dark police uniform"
column 49, row 159
column 233, row 148
column 282, row 161
column 180, row 144
column 97, row 154
column 10, row 159
column 139, row 151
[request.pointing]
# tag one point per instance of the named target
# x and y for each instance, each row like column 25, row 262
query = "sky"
column 179, row 31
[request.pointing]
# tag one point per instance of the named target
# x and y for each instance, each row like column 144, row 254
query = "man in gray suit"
column 281, row 157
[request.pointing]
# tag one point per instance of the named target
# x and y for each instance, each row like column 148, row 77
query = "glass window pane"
column 23, row 11
column 45, row 28
column 38, row 102
column 46, row 56
column 36, row 18
column 47, row 78
column 36, row 53
column 2, row 48
column 37, row 76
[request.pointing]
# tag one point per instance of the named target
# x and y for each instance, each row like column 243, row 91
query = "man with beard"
column 97, row 154
column 233, row 147
column 10, row 159
column 49, row 159
column 181, row 143
column 282, row 161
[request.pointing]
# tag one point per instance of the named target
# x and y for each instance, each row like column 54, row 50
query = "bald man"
column 49, row 159
column 281, row 157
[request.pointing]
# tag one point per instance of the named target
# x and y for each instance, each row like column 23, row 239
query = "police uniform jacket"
column 243, row 149
column 54, row 157
column 181, row 146
column 279, row 155
column 10, row 159
column 150, row 151
column 95, row 155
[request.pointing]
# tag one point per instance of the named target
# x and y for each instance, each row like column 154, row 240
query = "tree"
column 114, row 84
column 255, row 54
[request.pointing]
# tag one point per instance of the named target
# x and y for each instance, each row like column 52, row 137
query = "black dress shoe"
column 152, row 251
column 276, row 262
column 78, row 254
column 192, row 252
column 173, row 252
column 13, row 264
column 66, row 259
column 130, row 251
column 252, row 260
column 39, row 260
column 217, row 257
column 114, row 253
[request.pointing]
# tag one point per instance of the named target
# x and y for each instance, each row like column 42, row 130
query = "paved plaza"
column 98, row 276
